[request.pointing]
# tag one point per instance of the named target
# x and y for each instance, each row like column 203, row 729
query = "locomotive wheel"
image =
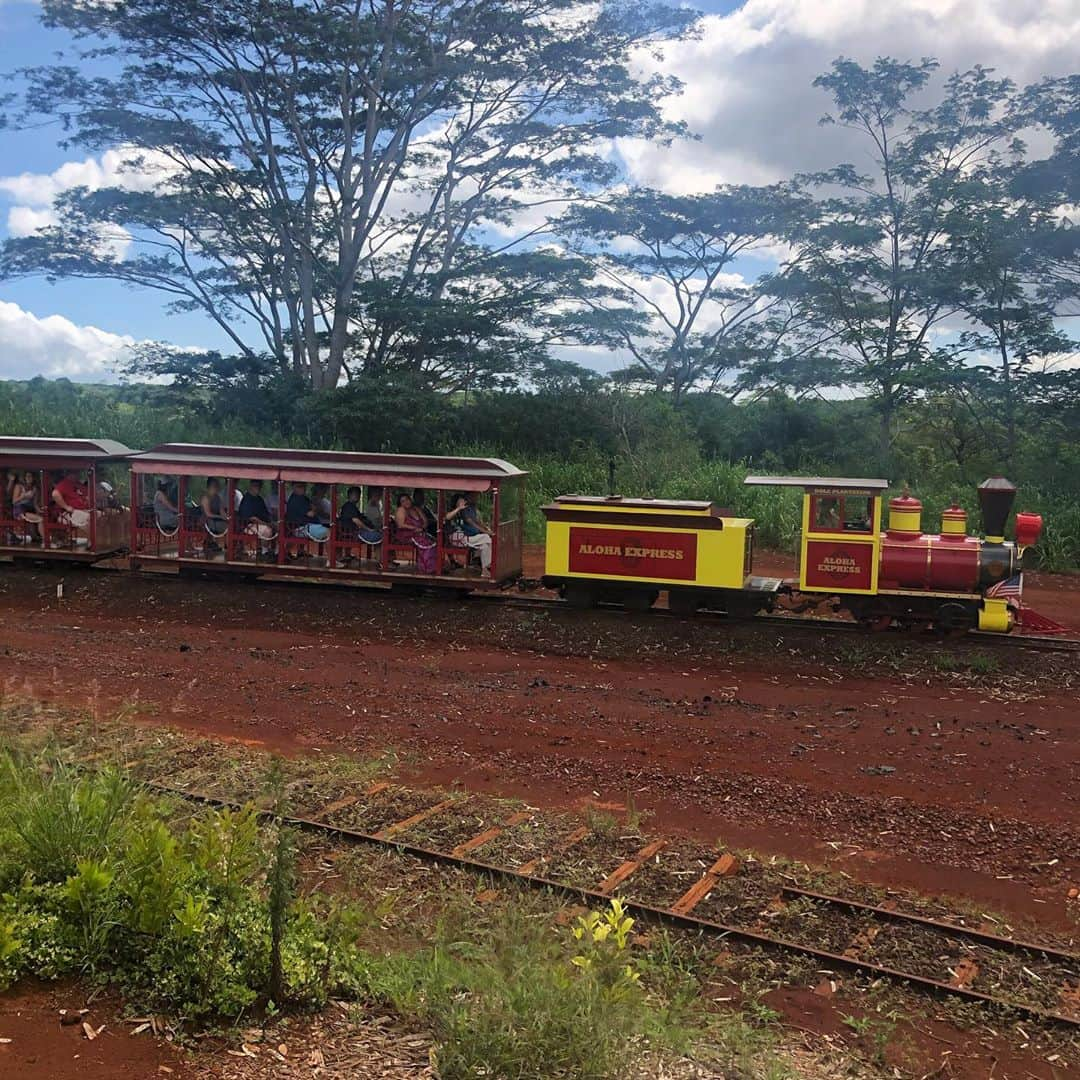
column 639, row 599
column 876, row 624
column 954, row 619
column 579, row 596
column 682, row 603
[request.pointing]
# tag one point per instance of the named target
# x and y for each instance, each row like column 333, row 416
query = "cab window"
column 827, row 512
column 857, row 513
column 842, row 513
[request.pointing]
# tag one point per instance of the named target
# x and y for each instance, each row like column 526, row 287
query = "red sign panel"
column 632, row 553
column 833, row 564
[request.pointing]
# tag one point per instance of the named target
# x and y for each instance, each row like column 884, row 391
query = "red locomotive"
column 949, row 579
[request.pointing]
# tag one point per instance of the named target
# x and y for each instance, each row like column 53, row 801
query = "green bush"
column 96, row 880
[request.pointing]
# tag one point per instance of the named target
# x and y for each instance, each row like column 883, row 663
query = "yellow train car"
column 627, row 551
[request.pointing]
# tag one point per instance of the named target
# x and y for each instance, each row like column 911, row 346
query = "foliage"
column 520, row 1005
column 292, row 167
column 662, row 285
column 874, row 271
column 94, row 879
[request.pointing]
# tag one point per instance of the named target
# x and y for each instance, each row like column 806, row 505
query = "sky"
column 748, row 96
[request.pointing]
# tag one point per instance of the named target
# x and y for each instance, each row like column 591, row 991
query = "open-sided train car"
column 56, row 502
column 183, row 471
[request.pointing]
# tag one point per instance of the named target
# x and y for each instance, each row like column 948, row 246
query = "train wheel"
column 954, row 619
column 579, row 596
column 682, row 603
column 876, row 624
column 639, row 599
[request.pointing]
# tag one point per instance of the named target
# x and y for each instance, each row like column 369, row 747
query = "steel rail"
column 550, row 603
column 983, row 937
column 638, row 909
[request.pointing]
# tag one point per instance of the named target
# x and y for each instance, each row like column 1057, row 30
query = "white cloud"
column 124, row 167
column 26, row 220
column 748, row 77
column 54, row 346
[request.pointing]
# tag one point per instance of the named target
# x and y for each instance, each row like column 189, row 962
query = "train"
column 627, row 551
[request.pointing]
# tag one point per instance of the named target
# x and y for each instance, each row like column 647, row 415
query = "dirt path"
column 930, row 783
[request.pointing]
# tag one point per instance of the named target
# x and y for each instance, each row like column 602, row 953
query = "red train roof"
column 60, row 453
column 325, row 466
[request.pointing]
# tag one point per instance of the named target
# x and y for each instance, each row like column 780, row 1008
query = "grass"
column 975, row 664
column 195, row 914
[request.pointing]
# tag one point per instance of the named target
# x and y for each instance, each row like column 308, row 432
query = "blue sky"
column 748, row 96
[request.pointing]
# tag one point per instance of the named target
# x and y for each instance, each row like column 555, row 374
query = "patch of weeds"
column 98, row 878
column 529, row 1003
column 974, row 664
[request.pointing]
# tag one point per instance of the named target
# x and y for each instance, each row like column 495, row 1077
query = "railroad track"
column 798, row 624
column 941, row 958
column 793, row 623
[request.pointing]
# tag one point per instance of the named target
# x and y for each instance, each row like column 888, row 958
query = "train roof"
column 57, row 453
column 689, row 505
column 858, row 483
column 325, row 466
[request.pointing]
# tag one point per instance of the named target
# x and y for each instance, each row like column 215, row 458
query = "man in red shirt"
column 70, row 495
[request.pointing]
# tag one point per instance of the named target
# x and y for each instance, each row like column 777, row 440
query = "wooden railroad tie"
column 348, row 800
column 526, row 869
column 725, row 866
column 409, row 822
column 489, row 834
column 620, row 874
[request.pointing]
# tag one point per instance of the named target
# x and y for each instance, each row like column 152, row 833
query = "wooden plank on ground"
column 348, row 800
column 525, row 869
column 621, row 873
column 726, row 865
column 409, row 822
column 489, row 834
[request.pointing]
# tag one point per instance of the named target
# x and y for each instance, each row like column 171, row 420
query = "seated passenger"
column 26, row 504
column 254, row 516
column 301, row 515
column 351, row 522
column 410, row 526
column 469, row 530
column 419, row 499
column 373, row 509
column 828, row 514
column 166, row 512
column 215, row 520
column 72, row 500
column 320, row 499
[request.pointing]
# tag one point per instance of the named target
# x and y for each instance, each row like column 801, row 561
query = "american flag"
column 1008, row 587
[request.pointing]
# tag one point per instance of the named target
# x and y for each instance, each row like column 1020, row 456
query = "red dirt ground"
column 41, row 1048
column 766, row 747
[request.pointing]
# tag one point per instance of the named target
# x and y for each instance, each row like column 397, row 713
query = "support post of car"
column 440, row 514
column 92, row 503
column 230, row 542
column 385, row 553
column 495, row 510
column 133, row 498
column 181, row 507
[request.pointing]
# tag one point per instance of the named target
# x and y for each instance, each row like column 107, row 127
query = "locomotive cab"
column 902, row 576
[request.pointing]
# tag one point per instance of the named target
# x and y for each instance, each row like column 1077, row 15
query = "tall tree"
column 668, row 293
column 875, row 271
column 1009, row 289
column 292, row 141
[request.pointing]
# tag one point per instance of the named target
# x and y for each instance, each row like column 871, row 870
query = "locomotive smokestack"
column 996, row 497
